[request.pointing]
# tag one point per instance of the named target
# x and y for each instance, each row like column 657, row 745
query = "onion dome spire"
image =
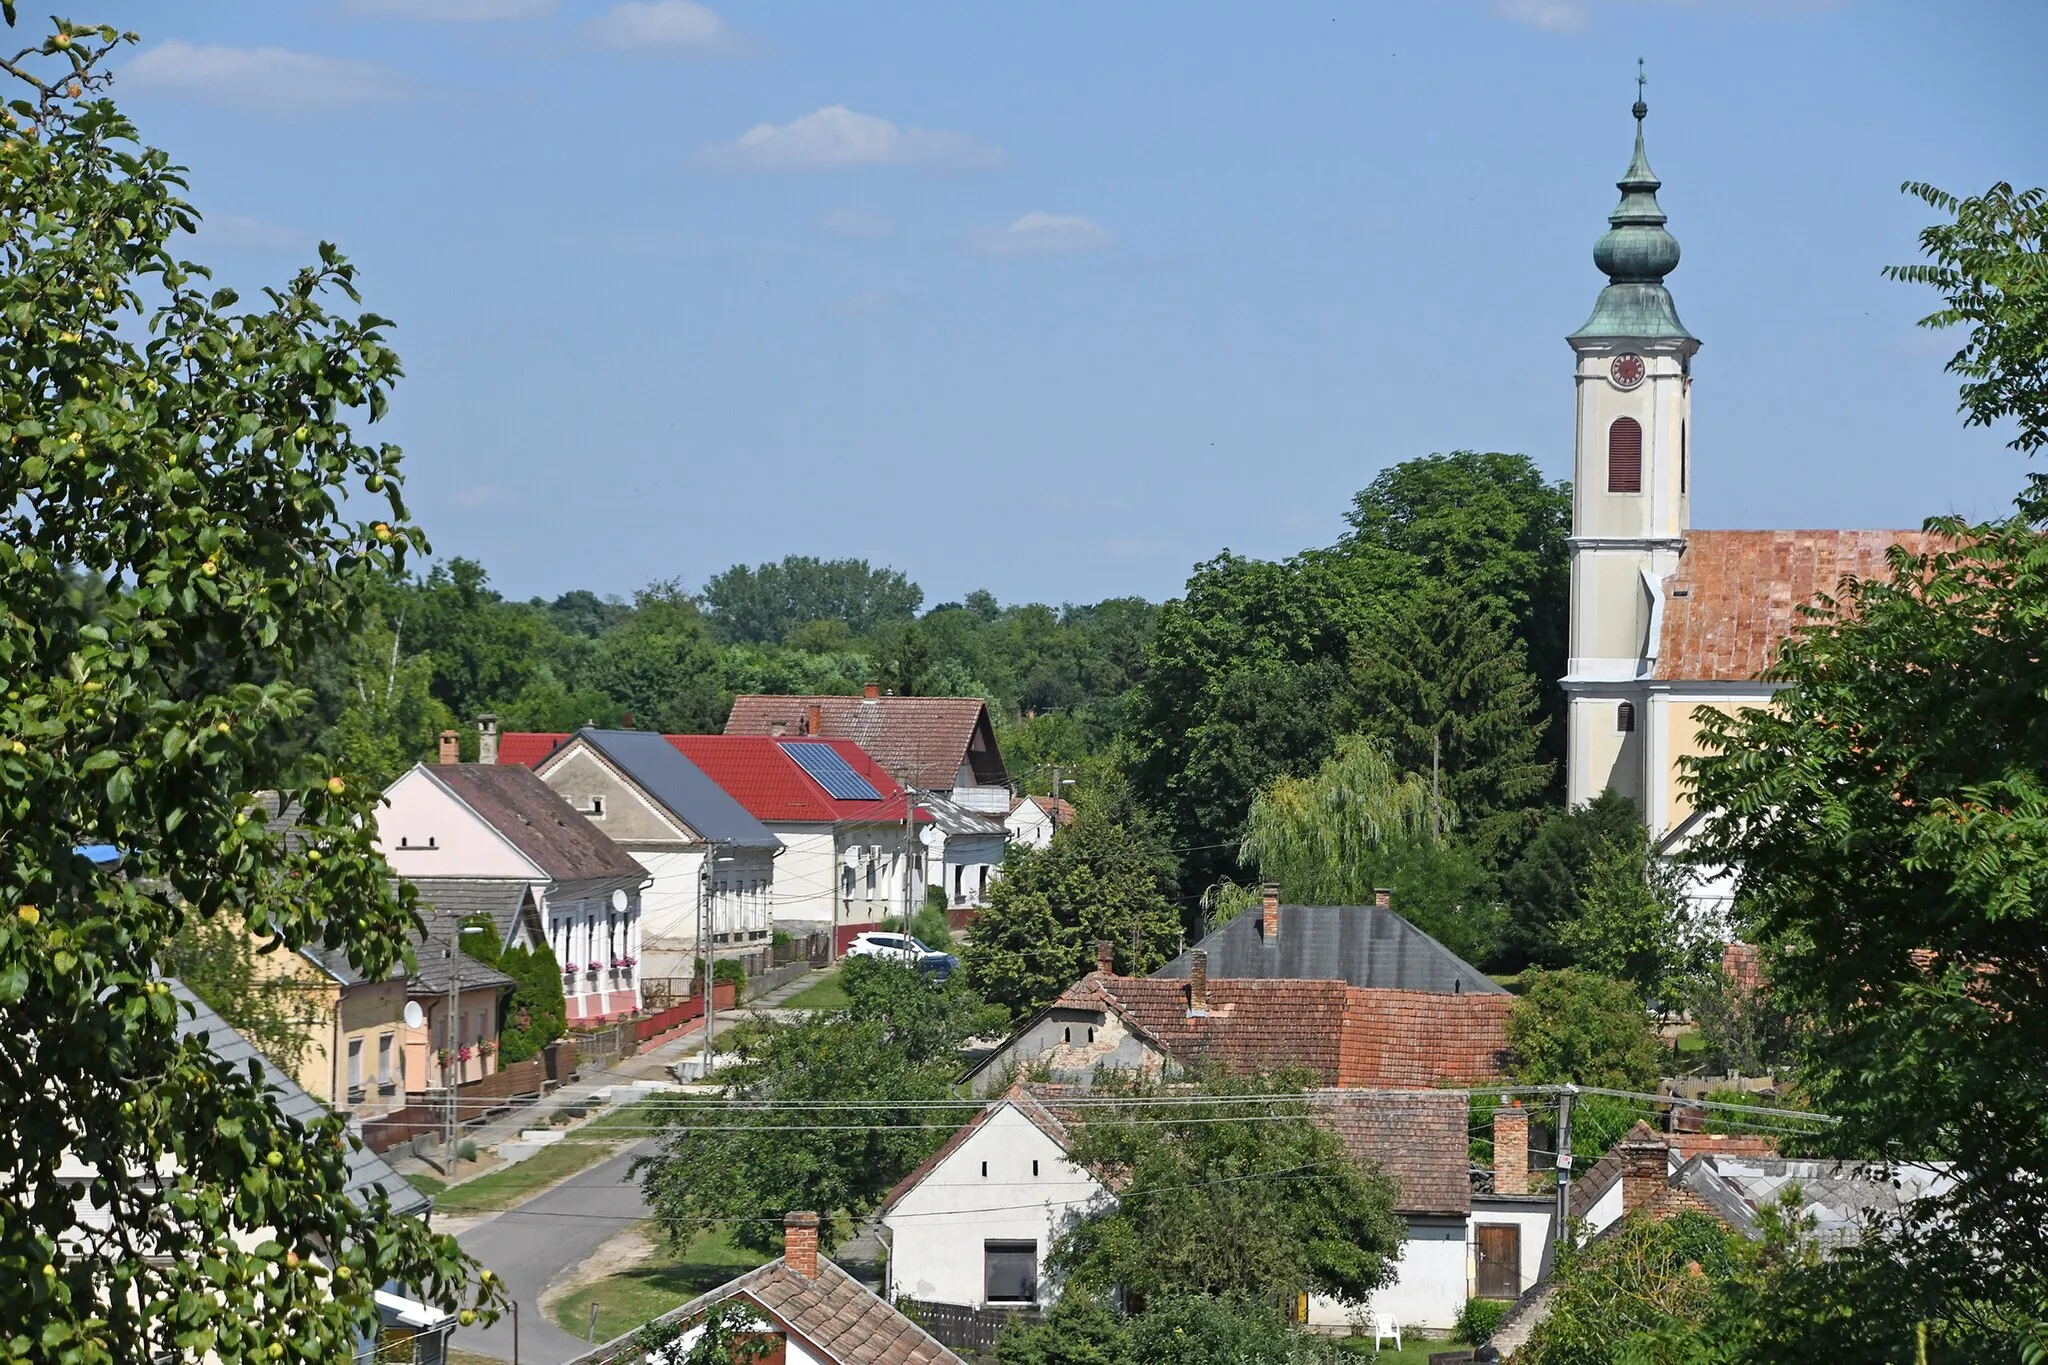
column 1636, row 253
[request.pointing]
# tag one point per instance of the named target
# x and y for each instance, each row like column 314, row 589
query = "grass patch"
column 823, row 994
column 429, row 1185
column 521, row 1180
column 1414, row 1350
column 632, row 1297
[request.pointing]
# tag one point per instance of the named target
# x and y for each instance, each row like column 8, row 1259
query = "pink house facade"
column 456, row 826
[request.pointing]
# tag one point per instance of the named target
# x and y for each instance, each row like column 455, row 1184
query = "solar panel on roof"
column 832, row 772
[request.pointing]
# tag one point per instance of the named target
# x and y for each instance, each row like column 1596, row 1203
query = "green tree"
column 1633, row 923
column 536, row 1012
column 389, row 719
column 1545, row 886
column 189, row 459
column 660, row 666
column 1188, row 1329
column 216, row 959
column 896, row 1044
column 1320, row 836
column 1222, row 1199
column 1448, row 687
column 766, row 603
column 1572, row 1027
column 1099, row 879
column 1635, row 1294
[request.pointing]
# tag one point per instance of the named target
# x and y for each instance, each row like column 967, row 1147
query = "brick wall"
column 1416, row 1039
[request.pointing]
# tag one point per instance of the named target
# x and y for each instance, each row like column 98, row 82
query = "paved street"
column 532, row 1244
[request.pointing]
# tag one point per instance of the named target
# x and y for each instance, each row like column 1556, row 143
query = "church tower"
column 1631, row 491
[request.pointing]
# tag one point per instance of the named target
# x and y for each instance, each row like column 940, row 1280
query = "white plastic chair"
column 1384, row 1326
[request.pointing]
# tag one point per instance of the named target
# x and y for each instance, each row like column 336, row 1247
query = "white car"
column 903, row 948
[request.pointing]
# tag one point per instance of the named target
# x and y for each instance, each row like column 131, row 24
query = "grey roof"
column 366, row 1170
column 1838, row 1196
column 953, row 819
column 1364, row 945
column 659, row 769
column 433, row 975
column 466, row 897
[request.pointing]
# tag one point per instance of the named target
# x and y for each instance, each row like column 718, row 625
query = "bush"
column 728, row 972
column 1478, row 1320
column 535, row 1012
column 1576, row 1027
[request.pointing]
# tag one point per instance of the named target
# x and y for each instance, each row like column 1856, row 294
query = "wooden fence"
column 970, row 1331
column 472, row 1103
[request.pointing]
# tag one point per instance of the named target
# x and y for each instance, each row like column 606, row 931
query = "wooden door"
column 1500, row 1260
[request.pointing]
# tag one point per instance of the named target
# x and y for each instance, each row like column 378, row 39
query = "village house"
column 1033, row 820
column 971, row 1228
column 451, row 826
column 939, row 747
column 1355, row 994
column 706, row 855
column 799, row 1309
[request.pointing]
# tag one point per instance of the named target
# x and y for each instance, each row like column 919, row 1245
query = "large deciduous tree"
column 1229, row 1198
column 1887, row 816
column 188, row 460
column 1099, row 879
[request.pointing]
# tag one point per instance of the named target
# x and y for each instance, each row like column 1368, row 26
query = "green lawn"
column 632, row 1297
column 523, row 1179
column 822, row 994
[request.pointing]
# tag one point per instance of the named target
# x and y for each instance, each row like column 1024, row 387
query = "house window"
column 1625, row 718
column 1010, row 1272
column 984, row 1170
column 1034, row 1168
column 1625, row 456
column 384, row 1061
column 1681, row 457
column 355, row 1065
column 597, row 808
column 1066, row 1035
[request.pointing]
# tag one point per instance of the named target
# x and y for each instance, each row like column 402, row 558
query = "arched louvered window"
column 1625, row 717
column 1625, row 456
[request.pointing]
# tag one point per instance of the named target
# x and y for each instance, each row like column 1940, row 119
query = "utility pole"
column 1564, row 1164
column 449, row 1074
column 707, row 951
column 1052, row 811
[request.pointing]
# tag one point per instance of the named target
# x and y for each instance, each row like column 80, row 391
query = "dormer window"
column 1625, row 456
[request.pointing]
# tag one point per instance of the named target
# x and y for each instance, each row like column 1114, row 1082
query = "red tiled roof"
column 1060, row 807
column 835, row 1317
column 526, row 748
column 539, row 822
column 1736, row 595
column 756, row 772
column 1418, row 1138
column 922, row 740
column 1347, row 1035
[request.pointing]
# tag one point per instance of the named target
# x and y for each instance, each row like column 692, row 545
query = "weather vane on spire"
column 1641, row 80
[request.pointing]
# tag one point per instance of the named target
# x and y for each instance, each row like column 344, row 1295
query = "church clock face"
column 1627, row 371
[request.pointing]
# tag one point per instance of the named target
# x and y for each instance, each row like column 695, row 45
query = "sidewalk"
column 651, row 1064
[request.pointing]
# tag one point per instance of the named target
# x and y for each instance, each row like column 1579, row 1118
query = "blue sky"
column 1060, row 299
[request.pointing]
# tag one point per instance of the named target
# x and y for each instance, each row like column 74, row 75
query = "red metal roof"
column 926, row 739
column 767, row 781
column 525, row 748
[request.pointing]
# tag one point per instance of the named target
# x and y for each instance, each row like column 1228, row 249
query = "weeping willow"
column 1318, row 836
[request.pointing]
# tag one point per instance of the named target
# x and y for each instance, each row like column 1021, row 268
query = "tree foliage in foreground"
column 897, row 1042
column 1229, row 1199
column 1186, row 1329
column 186, row 459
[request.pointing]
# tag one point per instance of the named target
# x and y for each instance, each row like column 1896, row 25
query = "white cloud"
column 270, row 80
column 1045, row 234
column 856, row 223
column 652, row 27
column 235, row 232
column 837, row 136
column 465, row 10
column 1558, row 16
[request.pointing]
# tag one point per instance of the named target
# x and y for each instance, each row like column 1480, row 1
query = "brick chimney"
column 1198, row 981
column 1271, row 928
column 1645, row 1173
column 1383, row 897
column 800, row 1244
column 451, row 747
column 814, row 719
column 1105, row 957
column 487, row 738
column 871, row 692
column 1511, row 1149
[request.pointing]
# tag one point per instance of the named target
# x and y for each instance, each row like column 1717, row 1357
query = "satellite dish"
column 619, row 901
column 413, row 1017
